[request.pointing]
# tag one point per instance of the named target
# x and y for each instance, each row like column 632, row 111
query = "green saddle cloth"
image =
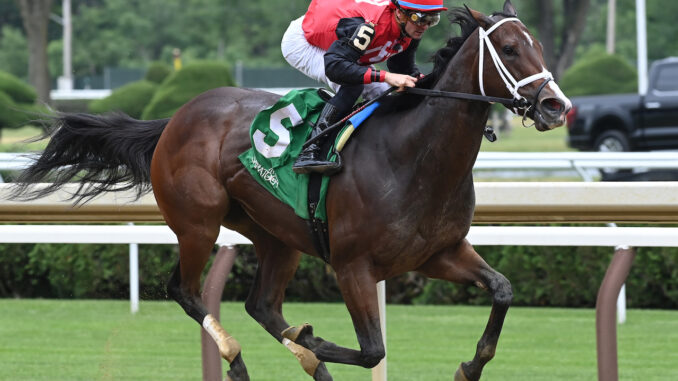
column 278, row 135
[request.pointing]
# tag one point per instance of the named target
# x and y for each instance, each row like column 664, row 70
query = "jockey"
column 337, row 41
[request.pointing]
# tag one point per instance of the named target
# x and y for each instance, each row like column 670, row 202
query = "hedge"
column 131, row 99
column 157, row 72
column 15, row 115
column 183, row 85
column 600, row 74
column 7, row 110
column 17, row 89
column 540, row 276
column 81, row 271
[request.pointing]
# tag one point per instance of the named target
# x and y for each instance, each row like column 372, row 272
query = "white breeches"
column 310, row 60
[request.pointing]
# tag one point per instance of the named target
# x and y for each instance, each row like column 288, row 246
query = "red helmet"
column 420, row 5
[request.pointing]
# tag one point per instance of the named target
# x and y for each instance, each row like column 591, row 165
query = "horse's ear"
column 509, row 9
column 482, row 20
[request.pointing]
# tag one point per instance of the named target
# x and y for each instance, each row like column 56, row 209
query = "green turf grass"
column 101, row 340
column 16, row 140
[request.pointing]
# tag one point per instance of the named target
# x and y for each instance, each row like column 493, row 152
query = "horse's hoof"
column 230, row 377
column 293, row 333
column 459, row 375
column 321, row 373
column 238, row 371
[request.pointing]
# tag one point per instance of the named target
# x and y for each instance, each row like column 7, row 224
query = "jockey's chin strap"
column 511, row 84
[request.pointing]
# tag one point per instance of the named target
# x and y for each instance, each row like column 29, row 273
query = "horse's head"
column 511, row 61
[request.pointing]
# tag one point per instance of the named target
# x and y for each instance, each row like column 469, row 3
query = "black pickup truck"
column 629, row 122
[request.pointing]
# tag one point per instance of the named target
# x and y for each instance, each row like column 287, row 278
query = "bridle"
column 511, row 84
column 518, row 102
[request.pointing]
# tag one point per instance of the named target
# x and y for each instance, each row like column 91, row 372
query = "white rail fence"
column 586, row 164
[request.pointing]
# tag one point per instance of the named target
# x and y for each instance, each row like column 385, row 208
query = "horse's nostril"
column 553, row 105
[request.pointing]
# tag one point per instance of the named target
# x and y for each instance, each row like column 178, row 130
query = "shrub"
column 157, row 72
column 131, row 99
column 83, row 271
column 7, row 113
column 17, row 89
column 653, row 279
column 15, row 115
column 540, row 276
column 600, row 74
column 566, row 277
column 183, row 85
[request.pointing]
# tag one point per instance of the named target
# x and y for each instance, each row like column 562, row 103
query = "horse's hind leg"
column 277, row 265
column 463, row 265
column 184, row 287
column 194, row 204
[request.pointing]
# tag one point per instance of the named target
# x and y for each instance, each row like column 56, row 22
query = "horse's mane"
column 459, row 16
column 443, row 56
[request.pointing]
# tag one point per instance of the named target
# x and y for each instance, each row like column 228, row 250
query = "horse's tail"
column 101, row 153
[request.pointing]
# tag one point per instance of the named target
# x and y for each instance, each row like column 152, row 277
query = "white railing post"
column 621, row 305
column 133, row 275
column 379, row 371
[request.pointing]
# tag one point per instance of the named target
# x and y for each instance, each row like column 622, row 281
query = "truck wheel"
column 612, row 141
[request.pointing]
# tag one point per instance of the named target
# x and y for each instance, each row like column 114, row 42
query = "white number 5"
column 277, row 131
column 362, row 37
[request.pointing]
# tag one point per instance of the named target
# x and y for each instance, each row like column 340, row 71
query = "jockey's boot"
column 309, row 159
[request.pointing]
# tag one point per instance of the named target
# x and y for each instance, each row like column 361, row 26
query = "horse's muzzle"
column 550, row 113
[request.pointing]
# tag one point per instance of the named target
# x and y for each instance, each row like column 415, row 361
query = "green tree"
column 13, row 51
column 559, row 27
column 122, row 33
column 35, row 16
column 661, row 29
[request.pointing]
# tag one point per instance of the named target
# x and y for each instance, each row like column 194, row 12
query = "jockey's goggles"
column 422, row 18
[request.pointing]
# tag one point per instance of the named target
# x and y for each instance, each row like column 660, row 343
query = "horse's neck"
column 453, row 128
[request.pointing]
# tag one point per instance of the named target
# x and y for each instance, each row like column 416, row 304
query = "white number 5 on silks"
column 278, row 133
column 362, row 37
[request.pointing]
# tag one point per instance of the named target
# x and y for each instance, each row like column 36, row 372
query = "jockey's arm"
column 403, row 62
column 341, row 60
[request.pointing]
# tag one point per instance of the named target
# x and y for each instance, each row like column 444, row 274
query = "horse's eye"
column 508, row 50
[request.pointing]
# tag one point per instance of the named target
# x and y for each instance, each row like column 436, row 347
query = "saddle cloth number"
column 273, row 142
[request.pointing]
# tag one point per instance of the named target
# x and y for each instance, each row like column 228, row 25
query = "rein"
column 511, row 102
column 518, row 102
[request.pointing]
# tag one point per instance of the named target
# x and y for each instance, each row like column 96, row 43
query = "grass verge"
column 101, row 340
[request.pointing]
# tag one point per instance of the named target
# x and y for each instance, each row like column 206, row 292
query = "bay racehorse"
column 403, row 202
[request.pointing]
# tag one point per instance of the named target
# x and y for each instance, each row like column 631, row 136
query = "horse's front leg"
column 463, row 265
column 358, row 287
